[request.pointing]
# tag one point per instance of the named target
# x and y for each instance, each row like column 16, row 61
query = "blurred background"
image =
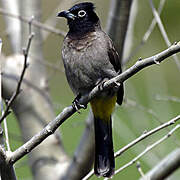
column 152, row 96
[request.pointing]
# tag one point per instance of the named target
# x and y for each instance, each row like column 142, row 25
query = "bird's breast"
column 86, row 62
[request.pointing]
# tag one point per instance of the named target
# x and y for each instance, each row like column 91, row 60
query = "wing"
column 115, row 61
column 114, row 57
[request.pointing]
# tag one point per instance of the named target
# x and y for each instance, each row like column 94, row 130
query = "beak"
column 66, row 14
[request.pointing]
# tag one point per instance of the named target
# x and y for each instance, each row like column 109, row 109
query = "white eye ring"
column 81, row 13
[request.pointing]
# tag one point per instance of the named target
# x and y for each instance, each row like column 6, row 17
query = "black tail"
column 104, row 153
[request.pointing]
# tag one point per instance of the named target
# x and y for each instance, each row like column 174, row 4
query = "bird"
column 90, row 59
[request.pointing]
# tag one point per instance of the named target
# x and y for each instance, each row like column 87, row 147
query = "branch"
column 146, row 35
column 146, row 134
column 139, row 65
column 34, row 23
column 117, row 24
column 129, row 38
column 69, row 111
column 18, row 89
column 82, row 160
column 33, row 108
column 158, row 97
column 52, row 21
column 140, row 138
column 42, row 135
column 163, row 31
column 138, row 165
column 166, row 167
column 2, row 144
column 13, row 26
column 130, row 102
column 46, row 63
column 6, row 169
column 148, row 149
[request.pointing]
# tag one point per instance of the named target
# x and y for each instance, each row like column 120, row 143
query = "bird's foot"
column 77, row 105
column 117, row 85
column 101, row 84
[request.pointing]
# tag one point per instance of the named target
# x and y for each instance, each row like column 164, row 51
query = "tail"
column 104, row 153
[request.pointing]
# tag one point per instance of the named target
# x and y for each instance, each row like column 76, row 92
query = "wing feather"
column 115, row 61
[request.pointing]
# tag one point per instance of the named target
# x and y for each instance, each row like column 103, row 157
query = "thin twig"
column 52, row 21
column 89, row 175
column 6, row 170
column 163, row 31
column 18, row 89
column 34, row 23
column 166, row 167
column 139, row 139
column 30, row 24
column 167, row 98
column 146, row 134
column 45, row 62
column 0, row 76
column 6, row 134
column 138, row 165
column 151, row 112
column 148, row 149
column 2, row 110
column 146, row 35
column 130, row 102
column 68, row 111
column 1, row 103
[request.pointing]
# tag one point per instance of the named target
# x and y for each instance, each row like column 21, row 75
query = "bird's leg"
column 76, row 104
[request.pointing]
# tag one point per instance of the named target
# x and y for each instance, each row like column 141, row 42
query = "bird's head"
column 81, row 18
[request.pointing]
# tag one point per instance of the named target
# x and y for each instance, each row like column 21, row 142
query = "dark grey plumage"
column 82, row 57
column 89, row 58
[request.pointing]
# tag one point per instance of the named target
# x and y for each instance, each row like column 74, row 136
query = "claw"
column 117, row 84
column 101, row 84
column 77, row 105
column 74, row 104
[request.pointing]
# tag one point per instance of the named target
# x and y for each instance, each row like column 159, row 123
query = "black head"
column 81, row 18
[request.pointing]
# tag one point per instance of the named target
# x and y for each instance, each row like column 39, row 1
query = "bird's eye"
column 81, row 13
